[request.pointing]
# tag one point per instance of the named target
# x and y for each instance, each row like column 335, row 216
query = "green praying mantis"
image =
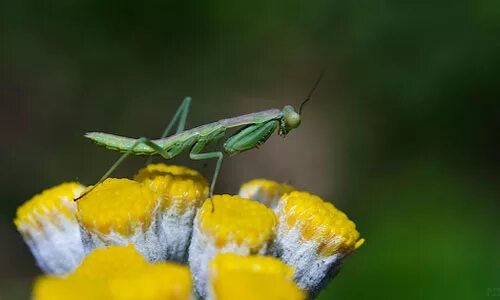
column 256, row 128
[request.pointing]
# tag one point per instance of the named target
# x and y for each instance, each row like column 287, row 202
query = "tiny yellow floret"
column 320, row 221
column 117, row 205
column 179, row 187
column 265, row 191
column 50, row 204
column 237, row 220
column 251, row 278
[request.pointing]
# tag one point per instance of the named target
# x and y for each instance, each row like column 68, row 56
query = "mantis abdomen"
column 174, row 145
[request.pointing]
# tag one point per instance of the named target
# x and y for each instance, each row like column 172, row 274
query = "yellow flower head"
column 251, row 278
column 48, row 225
column 236, row 225
column 314, row 237
column 182, row 191
column 265, row 191
column 231, row 262
column 117, row 205
column 57, row 288
column 155, row 282
column 51, row 205
column 103, row 263
column 117, row 273
column 179, row 187
column 321, row 222
column 237, row 220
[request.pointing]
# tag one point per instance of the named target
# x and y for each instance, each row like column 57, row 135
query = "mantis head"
column 289, row 121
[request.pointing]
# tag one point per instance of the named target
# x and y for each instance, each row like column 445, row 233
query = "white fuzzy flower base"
column 56, row 246
column 146, row 242
column 167, row 238
column 258, row 194
column 312, row 271
column 175, row 234
column 202, row 250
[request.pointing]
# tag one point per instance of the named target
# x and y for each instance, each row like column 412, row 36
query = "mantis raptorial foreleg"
column 210, row 155
column 196, row 155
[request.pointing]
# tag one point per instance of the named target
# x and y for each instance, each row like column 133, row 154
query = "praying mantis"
column 256, row 128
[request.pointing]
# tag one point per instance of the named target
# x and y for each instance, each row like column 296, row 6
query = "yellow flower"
column 119, row 212
column 182, row 191
column 48, row 225
column 265, row 191
column 251, row 278
column 181, row 188
column 314, row 237
column 163, row 214
column 236, row 225
column 117, row 273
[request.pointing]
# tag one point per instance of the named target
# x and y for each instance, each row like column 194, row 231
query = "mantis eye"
column 291, row 119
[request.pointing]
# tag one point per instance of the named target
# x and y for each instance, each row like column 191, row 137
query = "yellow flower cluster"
column 270, row 242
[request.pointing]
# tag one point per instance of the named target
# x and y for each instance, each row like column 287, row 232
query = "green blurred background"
column 402, row 133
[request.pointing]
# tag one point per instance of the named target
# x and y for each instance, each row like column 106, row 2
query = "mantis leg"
column 196, row 155
column 181, row 116
column 158, row 149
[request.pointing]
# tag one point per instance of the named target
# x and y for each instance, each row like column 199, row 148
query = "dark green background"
column 402, row 134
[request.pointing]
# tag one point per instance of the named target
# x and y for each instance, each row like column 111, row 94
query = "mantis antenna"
column 312, row 91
